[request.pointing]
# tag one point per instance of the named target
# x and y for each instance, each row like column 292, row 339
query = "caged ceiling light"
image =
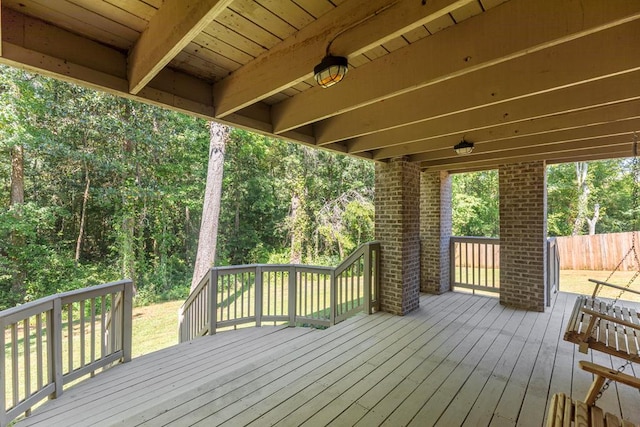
column 331, row 70
column 463, row 147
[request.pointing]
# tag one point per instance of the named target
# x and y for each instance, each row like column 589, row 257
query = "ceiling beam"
column 538, row 127
column 617, row 89
column 351, row 28
column 471, row 45
column 171, row 29
column 27, row 43
column 590, row 57
column 542, row 142
column 604, row 150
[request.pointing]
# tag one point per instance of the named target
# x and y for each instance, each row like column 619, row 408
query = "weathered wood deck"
column 458, row 360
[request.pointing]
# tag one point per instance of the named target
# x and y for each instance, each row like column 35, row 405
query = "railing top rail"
column 69, row 296
column 475, row 239
column 354, row 256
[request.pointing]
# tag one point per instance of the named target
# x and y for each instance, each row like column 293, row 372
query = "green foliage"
column 475, row 204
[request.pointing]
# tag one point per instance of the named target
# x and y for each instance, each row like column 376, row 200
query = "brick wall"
column 435, row 231
column 523, row 232
column 397, row 222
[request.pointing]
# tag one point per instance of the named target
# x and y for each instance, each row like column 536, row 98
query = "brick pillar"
column 435, row 231
column 523, row 234
column 397, row 223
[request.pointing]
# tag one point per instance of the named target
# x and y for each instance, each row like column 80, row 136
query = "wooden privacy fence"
column 297, row 294
column 596, row 252
column 50, row 342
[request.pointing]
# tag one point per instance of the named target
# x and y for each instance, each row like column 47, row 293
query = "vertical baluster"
column 14, row 364
column 486, row 264
column 93, row 332
column 103, row 326
column 82, row 339
column 493, row 270
column 27, row 359
column 39, row 351
column 268, row 293
column 112, row 325
column 70, row 337
column 3, row 374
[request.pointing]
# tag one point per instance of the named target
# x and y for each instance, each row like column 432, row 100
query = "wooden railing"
column 475, row 263
column 53, row 341
column 296, row 294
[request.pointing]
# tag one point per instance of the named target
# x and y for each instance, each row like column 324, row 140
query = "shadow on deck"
column 458, row 360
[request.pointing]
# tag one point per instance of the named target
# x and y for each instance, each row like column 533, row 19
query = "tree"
column 206, row 253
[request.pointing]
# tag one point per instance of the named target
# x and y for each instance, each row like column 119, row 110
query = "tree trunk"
column 583, row 197
column 83, row 214
column 207, row 241
column 593, row 221
column 17, row 175
column 17, row 199
column 296, row 238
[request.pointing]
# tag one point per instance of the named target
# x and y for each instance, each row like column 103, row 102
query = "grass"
column 155, row 327
column 577, row 281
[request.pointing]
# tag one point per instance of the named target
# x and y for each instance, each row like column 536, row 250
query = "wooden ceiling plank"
column 585, row 135
column 27, row 44
column 416, row 34
column 295, row 15
column 493, row 43
column 232, row 38
column 293, row 60
column 316, row 8
column 214, row 44
column 541, row 71
column 575, row 98
column 139, row 8
column 78, row 20
column 536, row 128
column 171, row 29
column 263, row 17
column 116, row 14
column 467, row 11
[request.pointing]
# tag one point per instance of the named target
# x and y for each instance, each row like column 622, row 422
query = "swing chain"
column 635, row 169
column 608, row 382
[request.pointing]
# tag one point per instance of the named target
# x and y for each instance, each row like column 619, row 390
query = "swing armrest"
column 610, row 285
column 610, row 374
column 595, row 313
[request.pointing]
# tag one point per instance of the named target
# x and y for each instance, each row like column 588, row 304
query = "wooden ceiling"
column 555, row 80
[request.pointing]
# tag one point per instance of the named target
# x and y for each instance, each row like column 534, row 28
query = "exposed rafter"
column 352, row 28
column 590, row 58
column 469, row 46
column 174, row 26
column 612, row 90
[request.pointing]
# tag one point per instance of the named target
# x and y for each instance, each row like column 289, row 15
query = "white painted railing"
column 296, row 294
column 475, row 263
column 53, row 341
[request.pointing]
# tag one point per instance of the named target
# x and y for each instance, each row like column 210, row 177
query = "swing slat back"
column 614, row 330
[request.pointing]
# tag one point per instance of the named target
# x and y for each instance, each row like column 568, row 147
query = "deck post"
column 127, row 321
column 292, row 295
column 258, row 296
column 332, row 298
column 367, row 278
column 3, row 374
column 212, row 305
column 56, row 347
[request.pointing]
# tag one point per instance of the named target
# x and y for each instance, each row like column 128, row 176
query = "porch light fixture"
column 331, row 70
column 463, row 147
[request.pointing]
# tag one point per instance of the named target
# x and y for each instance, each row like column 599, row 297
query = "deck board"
column 459, row 359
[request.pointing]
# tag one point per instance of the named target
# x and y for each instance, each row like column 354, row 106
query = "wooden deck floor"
column 458, row 360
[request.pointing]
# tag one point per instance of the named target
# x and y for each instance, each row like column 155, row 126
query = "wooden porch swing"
column 604, row 326
column 608, row 326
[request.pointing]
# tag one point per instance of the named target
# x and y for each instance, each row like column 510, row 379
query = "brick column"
column 523, row 234
column 435, row 231
column 397, row 223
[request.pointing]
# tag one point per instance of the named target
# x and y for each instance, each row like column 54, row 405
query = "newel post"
column 127, row 321
column 212, row 306
column 332, row 298
column 367, row 278
column 292, row 295
column 258, row 295
column 56, row 348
